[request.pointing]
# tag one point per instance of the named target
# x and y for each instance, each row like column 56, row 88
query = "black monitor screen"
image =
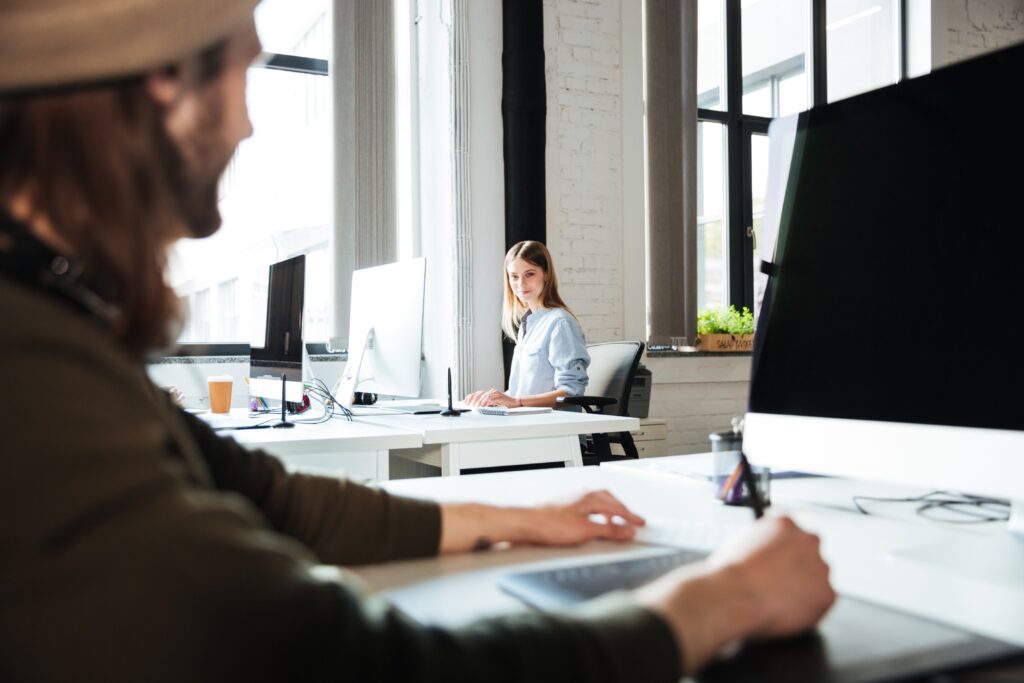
column 898, row 287
column 282, row 348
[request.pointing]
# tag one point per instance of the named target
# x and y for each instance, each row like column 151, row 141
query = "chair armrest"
column 588, row 402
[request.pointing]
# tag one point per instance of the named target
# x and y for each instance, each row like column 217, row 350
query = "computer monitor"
column 385, row 341
column 281, row 353
column 885, row 347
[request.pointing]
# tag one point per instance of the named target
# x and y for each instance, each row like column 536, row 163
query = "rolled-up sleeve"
column 567, row 354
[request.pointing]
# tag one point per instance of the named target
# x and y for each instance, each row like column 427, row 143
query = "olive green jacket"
column 137, row 545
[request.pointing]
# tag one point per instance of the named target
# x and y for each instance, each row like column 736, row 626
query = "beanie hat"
column 53, row 43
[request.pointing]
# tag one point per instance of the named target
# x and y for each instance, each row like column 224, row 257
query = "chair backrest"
column 612, row 369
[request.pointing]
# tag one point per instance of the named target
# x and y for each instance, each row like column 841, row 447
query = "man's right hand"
column 770, row 582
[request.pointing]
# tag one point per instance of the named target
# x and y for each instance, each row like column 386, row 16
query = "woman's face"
column 527, row 282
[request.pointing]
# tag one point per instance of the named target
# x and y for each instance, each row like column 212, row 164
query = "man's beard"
column 197, row 203
column 194, row 182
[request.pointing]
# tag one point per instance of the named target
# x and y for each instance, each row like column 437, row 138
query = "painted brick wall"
column 697, row 396
column 974, row 27
column 584, row 159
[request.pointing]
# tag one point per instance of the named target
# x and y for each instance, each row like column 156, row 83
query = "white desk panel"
column 473, row 440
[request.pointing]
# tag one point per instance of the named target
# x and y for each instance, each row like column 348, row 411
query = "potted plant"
column 725, row 330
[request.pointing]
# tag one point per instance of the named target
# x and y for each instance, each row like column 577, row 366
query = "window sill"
column 669, row 353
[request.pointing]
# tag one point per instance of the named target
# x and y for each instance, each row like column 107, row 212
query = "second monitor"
column 385, row 339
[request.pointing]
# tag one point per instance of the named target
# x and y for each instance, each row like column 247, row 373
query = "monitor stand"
column 345, row 389
column 284, row 423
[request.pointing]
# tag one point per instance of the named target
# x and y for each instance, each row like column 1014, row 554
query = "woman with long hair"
column 550, row 359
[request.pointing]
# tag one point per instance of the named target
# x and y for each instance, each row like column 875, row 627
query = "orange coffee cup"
column 220, row 393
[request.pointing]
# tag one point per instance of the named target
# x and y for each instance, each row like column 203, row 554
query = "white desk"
column 475, row 440
column 970, row 576
column 862, row 551
column 359, row 450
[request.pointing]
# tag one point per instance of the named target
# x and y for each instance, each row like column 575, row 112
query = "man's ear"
column 165, row 85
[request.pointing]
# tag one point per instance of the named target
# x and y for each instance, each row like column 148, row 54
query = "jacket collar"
column 26, row 259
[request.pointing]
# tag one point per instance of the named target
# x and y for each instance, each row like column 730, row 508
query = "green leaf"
column 725, row 321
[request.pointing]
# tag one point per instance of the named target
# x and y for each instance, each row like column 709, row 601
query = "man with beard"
column 135, row 544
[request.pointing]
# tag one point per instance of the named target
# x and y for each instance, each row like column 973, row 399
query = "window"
column 757, row 60
column 862, row 49
column 774, row 34
column 275, row 196
column 712, row 240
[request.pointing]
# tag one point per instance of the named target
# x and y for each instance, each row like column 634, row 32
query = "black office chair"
column 612, row 369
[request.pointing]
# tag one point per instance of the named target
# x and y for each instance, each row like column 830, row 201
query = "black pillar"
column 523, row 109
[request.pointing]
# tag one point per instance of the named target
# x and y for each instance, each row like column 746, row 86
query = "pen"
column 727, row 490
column 747, row 476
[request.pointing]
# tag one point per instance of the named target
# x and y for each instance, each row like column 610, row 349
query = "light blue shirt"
column 550, row 354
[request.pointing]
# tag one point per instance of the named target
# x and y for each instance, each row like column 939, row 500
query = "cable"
column 320, row 386
column 935, row 505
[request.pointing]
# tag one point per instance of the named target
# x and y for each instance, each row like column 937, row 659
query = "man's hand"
column 597, row 514
column 770, row 582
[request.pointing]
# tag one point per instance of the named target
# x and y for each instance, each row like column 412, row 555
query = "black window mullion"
column 738, row 160
column 293, row 63
column 819, row 61
column 901, row 36
column 734, row 155
column 751, row 126
column 713, row 115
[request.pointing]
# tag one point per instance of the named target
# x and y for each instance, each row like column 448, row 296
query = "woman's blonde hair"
column 512, row 309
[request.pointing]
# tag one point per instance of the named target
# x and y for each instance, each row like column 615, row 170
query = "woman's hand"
column 491, row 397
column 771, row 582
column 176, row 394
column 597, row 514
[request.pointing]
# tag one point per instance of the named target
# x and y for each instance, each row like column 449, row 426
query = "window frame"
column 279, row 62
column 739, row 128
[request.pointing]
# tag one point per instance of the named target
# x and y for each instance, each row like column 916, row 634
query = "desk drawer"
column 651, row 431
column 645, row 449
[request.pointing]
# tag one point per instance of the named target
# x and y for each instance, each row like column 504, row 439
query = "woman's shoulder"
column 557, row 314
column 564, row 319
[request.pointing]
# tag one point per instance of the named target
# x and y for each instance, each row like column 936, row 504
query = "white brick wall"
column 583, row 49
column 697, row 396
column 973, row 27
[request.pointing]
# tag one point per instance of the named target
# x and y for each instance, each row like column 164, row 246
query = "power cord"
column 323, row 393
column 948, row 506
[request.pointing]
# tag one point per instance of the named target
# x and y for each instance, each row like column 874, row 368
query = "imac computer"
column 885, row 347
column 275, row 369
column 385, row 342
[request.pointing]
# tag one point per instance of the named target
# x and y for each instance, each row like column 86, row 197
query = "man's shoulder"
column 56, row 349
column 38, row 317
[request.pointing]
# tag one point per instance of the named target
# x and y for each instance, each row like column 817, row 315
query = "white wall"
column 584, row 165
column 434, row 132
column 486, row 189
column 967, row 28
column 487, row 186
column 946, row 31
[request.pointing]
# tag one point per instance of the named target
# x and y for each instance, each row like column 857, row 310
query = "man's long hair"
column 99, row 165
column 512, row 310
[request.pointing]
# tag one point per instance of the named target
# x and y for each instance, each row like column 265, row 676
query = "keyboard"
column 556, row 588
column 502, row 410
